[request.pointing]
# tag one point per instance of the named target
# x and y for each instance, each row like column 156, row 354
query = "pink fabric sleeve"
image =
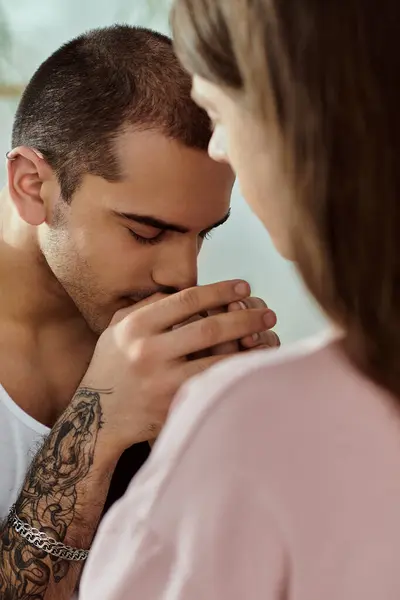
column 187, row 522
column 276, row 476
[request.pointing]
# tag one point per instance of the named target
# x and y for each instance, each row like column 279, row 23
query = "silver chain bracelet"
column 42, row 541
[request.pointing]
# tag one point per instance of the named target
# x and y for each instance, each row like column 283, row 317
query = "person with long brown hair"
column 278, row 475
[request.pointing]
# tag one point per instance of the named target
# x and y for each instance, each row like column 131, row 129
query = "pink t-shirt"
column 276, row 477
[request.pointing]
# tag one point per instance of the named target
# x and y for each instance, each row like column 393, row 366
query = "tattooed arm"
column 144, row 359
column 63, row 496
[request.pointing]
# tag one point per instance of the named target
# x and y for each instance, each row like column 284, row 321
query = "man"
column 110, row 195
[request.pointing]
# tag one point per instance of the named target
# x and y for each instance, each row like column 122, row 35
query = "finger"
column 257, row 336
column 195, row 367
column 179, row 307
column 211, row 331
column 201, row 353
column 268, row 339
column 258, row 303
column 256, row 348
column 228, row 347
column 125, row 312
column 250, row 302
column 262, row 338
column 191, row 320
column 234, row 347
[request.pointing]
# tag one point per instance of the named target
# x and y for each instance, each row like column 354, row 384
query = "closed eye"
column 206, row 235
column 147, row 240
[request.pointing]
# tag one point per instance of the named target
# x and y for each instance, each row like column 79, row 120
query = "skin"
column 139, row 364
column 69, row 267
column 239, row 140
column 88, row 244
column 106, row 265
column 60, row 262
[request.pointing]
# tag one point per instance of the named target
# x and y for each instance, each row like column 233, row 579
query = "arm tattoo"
column 48, row 500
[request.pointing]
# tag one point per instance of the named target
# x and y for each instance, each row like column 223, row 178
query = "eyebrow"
column 164, row 225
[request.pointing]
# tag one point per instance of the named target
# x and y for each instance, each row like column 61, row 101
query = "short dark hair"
column 93, row 87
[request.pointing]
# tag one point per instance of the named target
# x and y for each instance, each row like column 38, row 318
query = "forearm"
column 63, row 496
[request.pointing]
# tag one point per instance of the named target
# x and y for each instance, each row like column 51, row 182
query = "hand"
column 141, row 359
column 260, row 340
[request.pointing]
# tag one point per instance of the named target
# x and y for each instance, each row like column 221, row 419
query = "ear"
column 28, row 177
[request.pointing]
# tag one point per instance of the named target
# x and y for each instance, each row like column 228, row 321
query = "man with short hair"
column 110, row 195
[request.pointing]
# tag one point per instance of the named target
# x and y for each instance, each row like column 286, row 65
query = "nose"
column 177, row 265
column 218, row 146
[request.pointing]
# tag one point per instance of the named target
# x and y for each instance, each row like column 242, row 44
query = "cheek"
column 109, row 252
column 243, row 159
column 263, row 185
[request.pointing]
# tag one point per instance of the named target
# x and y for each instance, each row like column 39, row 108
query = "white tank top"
column 20, row 438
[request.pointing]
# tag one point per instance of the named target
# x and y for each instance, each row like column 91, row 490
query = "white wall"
column 241, row 248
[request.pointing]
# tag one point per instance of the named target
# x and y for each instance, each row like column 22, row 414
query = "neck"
column 40, row 327
column 29, row 290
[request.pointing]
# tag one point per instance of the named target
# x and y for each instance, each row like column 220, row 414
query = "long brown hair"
column 327, row 72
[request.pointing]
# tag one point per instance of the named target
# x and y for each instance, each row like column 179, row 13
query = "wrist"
column 92, row 407
column 107, row 453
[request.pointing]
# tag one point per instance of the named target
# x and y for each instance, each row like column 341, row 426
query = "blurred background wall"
column 31, row 31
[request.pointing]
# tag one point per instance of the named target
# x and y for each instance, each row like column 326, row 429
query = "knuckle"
column 142, row 352
column 270, row 339
column 247, row 323
column 259, row 303
column 190, row 299
column 223, row 293
column 210, row 330
column 245, row 319
column 254, row 302
column 125, row 321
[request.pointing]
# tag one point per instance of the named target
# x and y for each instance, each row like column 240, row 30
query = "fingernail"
column 270, row 319
column 242, row 288
column 255, row 337
column 238, row 306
